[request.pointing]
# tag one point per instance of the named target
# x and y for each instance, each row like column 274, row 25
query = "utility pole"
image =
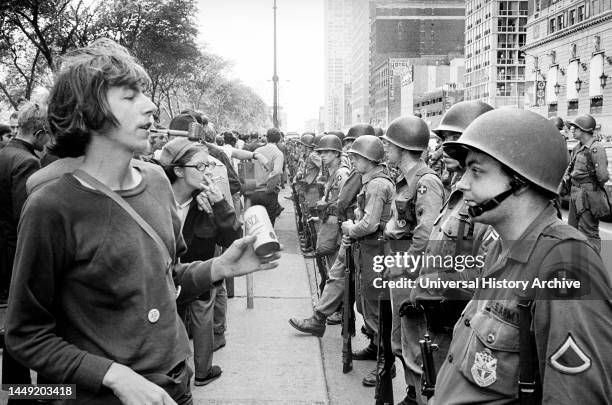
column 275, row 79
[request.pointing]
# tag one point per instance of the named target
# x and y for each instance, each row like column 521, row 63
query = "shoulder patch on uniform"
column 422, row 189
column 569, row 358
column 594, row 150
column 339, row 177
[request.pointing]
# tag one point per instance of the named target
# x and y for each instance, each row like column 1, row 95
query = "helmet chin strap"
column 515, row 184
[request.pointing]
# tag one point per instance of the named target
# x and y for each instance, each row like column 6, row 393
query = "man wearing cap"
column 585, row 178
column 546, row 342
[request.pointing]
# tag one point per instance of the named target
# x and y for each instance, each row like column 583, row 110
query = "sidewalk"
column 264, row 362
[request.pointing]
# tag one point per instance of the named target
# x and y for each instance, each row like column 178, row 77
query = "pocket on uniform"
column 491, row 360
column 327, row 239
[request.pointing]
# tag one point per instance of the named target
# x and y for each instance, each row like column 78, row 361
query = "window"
column 596, row 104
column 551, row 27
column 572, row 107
column 581, row 15
column 572, row 17
column 560, row 22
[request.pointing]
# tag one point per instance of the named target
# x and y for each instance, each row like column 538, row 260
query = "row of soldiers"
column 380, row 200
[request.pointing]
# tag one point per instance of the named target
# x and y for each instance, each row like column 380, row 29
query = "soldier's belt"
column 586, row 185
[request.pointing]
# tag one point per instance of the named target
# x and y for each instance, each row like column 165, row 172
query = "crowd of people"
column 489, row 192
column 119, row 238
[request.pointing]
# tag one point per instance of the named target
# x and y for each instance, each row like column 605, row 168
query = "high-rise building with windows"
column 494, row 63
column 569, row 59
column 337, row 17
column 402, row 32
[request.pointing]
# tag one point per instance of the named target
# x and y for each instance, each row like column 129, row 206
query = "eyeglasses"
column 201, row 167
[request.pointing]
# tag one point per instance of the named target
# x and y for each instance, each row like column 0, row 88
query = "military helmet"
column 409, row 133
column 460, row 115
column 558, row 122
column 317, row 139
column 307, row 139
column 329, row 142
column 339, row 134
column 370, row 147
column 359, row 129
column 521, row 140
column 585, row 122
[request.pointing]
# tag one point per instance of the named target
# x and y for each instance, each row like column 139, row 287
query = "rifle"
column 298, row 210
column 319, row 259
column 385, row 358
column 348, row 315
column 428, row 378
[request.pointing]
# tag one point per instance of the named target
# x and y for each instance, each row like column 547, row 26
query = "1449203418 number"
column 41, row 391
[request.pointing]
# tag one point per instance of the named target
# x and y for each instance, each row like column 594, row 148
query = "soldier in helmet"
column 418, row 199
column 373, row 212
column 306, row 176
column 333, row 292
column 542, row 343
column 453, row 235
column 585, row 178
column 560, row 124
column 452, row 125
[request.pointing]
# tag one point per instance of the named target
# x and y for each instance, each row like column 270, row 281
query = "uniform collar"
column 522, row 249
column 588, row 144
column 365, row 178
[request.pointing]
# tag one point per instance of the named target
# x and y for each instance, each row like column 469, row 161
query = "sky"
column 241, row 31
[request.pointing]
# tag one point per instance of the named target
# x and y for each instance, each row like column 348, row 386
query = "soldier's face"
column 360, row 164
column 392, row 152
column 328, row 156
column 483, row 180
column 450, row 163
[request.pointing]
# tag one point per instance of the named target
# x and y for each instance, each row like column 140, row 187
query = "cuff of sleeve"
column 91, row 372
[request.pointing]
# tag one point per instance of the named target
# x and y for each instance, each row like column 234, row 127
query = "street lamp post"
column 275, row 79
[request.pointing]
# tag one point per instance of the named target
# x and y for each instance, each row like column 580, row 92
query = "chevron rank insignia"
column 569, row 358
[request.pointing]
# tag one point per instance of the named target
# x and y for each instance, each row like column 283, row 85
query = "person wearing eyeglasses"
column 189, row 170
column 18, row 161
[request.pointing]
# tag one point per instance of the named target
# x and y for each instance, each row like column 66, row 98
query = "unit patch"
column 484, row 369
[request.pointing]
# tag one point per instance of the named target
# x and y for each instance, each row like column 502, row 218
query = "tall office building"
column 494, row 63
column 337, row 19
column 407, row 32
column 359, row 61
column 568, row 59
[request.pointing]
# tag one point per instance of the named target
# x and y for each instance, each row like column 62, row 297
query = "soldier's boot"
column 368, row 353
column 335, row 318
column 410, row 398
column 315, row 325
column 370, row 379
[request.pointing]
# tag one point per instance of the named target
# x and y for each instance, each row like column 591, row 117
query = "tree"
column 33, row 33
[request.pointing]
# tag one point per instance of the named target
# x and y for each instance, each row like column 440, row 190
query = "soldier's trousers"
column 333, row 293
column 366, row 295
column 585, row 222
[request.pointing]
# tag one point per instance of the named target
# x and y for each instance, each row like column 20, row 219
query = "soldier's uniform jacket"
column 335, row 181
column 580, row 174
column 312, row 165
column 454, row 234
column 419, row 198
column 573, row 337
column 587, row 193
column 374, row 203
